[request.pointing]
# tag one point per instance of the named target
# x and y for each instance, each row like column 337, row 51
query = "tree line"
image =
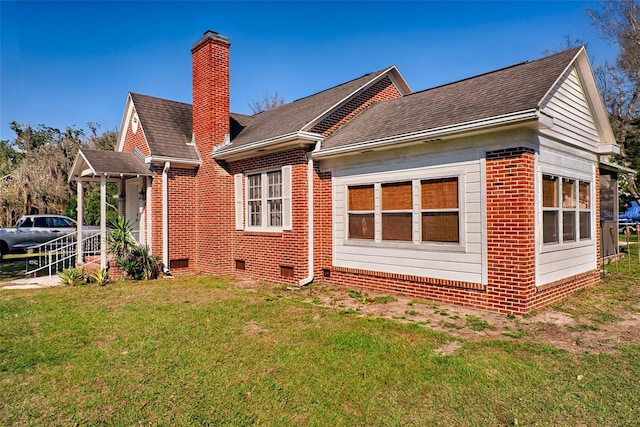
column 35, row 166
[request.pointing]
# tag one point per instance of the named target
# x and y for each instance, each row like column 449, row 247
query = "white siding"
column 573, row 121
column 444, row 261
column 558, row 261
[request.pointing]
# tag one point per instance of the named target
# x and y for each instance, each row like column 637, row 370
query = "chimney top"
column 209, row 35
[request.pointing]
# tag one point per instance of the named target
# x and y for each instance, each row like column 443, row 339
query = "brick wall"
column 381, row 90
column 135, row 140
column 214, row 185
column 510, row 195
column 264, row 254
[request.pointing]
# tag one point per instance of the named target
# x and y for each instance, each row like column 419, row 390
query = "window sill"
column 556, row 247
column 422, row 246
column 263, row 233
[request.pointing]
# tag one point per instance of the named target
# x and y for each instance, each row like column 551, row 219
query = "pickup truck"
column 31, row 230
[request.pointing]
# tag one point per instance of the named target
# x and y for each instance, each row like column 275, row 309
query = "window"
column 268, row 200
column 397, row 215
column 410, row 211
column 566, row 206
column 440, row 213
column 254, row 183
column 361, row 212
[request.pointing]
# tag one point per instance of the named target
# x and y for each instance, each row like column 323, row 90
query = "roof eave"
column 176, row 161
column 271, row 145
column 520, row 118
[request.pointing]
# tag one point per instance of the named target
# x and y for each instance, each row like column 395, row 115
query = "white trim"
column 287, row 213
column 238, row 179
column 165, row 215
column 416, row 242
column 310, row 237
column 532, row 115
column 103, row 222
column 266, row 145
column 175, row 161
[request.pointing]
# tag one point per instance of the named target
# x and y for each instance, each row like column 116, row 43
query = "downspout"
column 165, row 215
column 307, row 280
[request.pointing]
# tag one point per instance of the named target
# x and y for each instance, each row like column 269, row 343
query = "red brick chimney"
column 210, row 57
column 213, row 204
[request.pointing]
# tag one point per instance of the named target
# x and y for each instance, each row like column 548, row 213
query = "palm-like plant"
column 120, row 239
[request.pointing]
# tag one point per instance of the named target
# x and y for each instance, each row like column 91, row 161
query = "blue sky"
column 69, row 63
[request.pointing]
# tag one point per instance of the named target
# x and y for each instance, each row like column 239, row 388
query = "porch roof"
column 95, row 163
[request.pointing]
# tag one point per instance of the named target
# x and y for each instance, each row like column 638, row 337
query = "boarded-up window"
column 440, row 210
column 397, row 211
column 361, row 212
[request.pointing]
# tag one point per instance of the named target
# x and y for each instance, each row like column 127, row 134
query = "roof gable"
column 167, row 126
column 302, row 114
column 506, row 91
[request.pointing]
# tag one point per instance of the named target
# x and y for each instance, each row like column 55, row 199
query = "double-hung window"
column 417, row 211
column 268, row 200
column 566, row 210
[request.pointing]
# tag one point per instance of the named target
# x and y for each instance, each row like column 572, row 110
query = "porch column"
column 80, row 219
column 147, row 213
column 103, row 221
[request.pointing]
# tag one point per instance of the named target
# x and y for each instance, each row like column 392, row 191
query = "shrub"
column 100, row 277
column 140, row 264
column 72, row 276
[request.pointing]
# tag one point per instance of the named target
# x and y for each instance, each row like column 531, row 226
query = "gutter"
column 174, row 160
column 430, row 135
column 165, row 215
column 307, row 280
column 265, row 144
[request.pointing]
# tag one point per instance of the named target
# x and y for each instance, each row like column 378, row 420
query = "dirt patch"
column 548, row 325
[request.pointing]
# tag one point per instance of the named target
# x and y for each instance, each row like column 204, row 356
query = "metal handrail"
column 61, row 253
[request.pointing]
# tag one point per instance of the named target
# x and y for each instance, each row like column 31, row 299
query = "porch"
column 134, row 196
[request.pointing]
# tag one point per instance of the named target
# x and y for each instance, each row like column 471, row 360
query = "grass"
column 199, row 351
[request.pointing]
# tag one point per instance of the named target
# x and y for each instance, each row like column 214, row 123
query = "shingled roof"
column 168, row 126
column 508, row 90
column 110, row 163
column 294, row 116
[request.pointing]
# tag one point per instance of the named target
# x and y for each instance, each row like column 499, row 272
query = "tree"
column 266, row 102
column 619, row 82
column 34, row 171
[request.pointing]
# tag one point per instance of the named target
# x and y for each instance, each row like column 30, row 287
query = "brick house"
column 483, row 192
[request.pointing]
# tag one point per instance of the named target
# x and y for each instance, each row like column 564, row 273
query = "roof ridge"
column 159, row 98
column 380, row 71
column 518, row 64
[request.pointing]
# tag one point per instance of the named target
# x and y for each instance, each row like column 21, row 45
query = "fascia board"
column 520, row 117
column 124, row 123
column 172, row 160
column 252, row 149
column 76, row 169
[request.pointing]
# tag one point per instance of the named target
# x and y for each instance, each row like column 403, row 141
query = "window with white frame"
column 566, row 210
column 429, row 205
column 267, row 199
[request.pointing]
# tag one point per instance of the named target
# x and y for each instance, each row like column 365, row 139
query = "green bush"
column 72, row 277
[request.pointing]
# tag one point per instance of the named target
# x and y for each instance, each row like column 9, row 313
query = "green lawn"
column 200, row 351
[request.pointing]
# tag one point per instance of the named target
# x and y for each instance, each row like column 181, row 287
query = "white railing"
column 56, row 255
